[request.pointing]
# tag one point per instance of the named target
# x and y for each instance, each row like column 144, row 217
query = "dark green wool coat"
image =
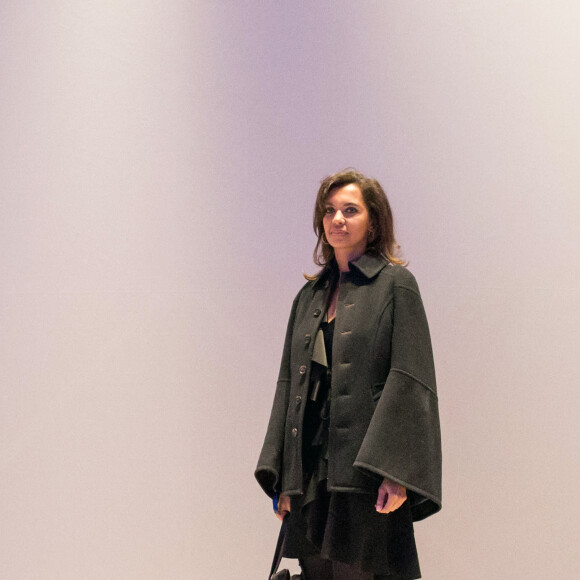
column 384, row 419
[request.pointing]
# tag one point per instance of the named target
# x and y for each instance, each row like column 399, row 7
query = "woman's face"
column 346, row 221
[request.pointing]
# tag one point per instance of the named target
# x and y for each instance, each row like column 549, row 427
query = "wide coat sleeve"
column 269, row 469
column 403, row 439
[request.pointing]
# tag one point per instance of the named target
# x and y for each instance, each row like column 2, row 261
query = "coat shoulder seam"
column 403, row 287
column 417, row 380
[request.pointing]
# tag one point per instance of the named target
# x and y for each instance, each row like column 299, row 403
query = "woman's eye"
column 350, row 210
column 329, row 210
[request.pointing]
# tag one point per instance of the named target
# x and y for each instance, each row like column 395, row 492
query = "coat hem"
column 365, row 467
column 267, row 484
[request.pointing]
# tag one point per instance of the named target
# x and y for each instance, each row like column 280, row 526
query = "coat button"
column 302, row 369
column 294, row 432
column 298, row 399
column 317, row 313
column 307, row 339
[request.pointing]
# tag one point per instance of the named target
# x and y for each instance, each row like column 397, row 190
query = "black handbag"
column 283, row 574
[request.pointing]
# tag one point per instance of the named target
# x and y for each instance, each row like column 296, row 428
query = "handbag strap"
column 279, row 548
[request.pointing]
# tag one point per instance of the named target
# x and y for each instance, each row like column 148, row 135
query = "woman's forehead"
column 347, row 194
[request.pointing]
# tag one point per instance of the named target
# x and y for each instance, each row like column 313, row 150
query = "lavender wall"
column 158, row 168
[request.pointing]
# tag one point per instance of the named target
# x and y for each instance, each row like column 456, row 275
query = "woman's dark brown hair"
column 382, row 242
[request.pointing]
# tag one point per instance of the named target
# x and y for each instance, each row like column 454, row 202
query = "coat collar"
column 367, row 265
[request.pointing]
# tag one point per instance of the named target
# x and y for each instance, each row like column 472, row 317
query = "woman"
column 352, row 449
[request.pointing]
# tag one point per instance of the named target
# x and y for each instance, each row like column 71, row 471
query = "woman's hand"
column 394, row 494
column 283, row 507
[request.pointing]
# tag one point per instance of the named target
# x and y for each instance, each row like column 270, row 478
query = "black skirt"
column 347, row 528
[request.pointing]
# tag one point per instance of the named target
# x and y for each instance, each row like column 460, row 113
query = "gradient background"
column 158, row 167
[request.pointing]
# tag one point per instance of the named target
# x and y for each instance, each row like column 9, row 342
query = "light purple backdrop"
column 157, row 175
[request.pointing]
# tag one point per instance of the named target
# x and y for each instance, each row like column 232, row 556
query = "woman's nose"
column 338, row 217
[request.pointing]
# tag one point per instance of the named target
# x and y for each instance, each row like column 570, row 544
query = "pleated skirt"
column 345, row 527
